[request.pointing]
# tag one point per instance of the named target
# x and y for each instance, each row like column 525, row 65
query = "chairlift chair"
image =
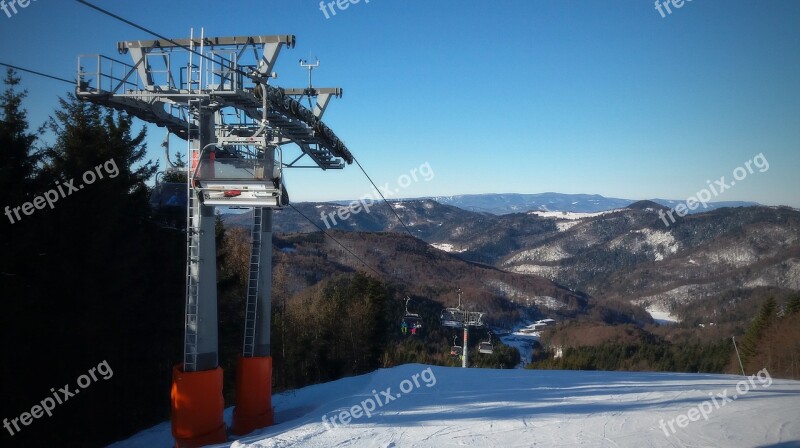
column 486, row 347
column 453, row 317
column 456, row 350
column 235, row 178
column 168, row 203
column 412, row 320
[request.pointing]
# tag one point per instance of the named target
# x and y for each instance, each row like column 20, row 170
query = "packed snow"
column 423, row 406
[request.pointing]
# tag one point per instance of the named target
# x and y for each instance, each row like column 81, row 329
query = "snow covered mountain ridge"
column 501, row 204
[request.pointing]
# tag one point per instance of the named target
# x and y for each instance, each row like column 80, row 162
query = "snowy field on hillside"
column 570, row 215
column 661, row 316
column 524, row 344
column 447, row 247
column 449, row 407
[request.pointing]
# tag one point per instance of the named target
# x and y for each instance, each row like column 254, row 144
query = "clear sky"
column 522, row 96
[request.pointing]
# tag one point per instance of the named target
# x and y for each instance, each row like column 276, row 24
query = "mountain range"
column 725, row 259
column 501, row 204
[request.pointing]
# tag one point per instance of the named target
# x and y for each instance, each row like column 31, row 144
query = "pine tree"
column 19, row 166
column 107, row 285
column 765, row 317
column 792, row 306
column 18, row 253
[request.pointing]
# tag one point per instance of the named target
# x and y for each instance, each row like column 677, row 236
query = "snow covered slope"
column 447, row 407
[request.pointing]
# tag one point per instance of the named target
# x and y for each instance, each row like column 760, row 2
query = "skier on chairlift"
column 404, row 327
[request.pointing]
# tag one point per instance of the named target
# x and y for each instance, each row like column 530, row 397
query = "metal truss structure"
column 215, row 93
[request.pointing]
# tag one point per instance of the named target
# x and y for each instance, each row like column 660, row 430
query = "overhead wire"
column 382, row 197
column 335, row 240
column 27, row 70
column 149, row 31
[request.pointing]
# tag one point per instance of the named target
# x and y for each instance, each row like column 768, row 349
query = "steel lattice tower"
column 215, row 93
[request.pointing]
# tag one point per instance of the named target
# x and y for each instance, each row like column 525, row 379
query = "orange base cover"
column 253, row 395
column 197, row 407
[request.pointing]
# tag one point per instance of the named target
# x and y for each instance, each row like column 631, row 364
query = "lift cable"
column 336, row 241
column 37, row 73
column 382, row 197
column 148, row 31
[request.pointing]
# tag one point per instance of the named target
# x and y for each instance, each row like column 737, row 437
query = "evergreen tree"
column 18, row 173
column 765, row 317
column 97, row 282
column 792, row 306
column 19, row 165
column 18, row 253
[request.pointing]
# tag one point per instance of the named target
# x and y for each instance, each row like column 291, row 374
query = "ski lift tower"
column 214, row 92
column 460, row 318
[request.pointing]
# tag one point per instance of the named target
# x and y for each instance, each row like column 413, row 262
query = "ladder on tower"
column 192, row 270
column 251, row 308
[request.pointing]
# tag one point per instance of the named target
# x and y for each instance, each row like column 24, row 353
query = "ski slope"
column 450, row 407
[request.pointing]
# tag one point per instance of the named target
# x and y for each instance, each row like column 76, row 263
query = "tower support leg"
column 465, row 358
column 196, row 398
column 254, row 374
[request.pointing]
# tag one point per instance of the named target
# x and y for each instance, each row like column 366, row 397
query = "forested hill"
column 689, row 267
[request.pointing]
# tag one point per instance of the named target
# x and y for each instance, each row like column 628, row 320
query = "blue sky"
column 508, row 96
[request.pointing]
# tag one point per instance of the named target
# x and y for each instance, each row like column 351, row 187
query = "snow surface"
column 662, row 317
column 524, row 345
column 662, row 243
column 525, row 408
column 542, row 254
column 569, row 215
column 447, row 247
column 563, row 226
